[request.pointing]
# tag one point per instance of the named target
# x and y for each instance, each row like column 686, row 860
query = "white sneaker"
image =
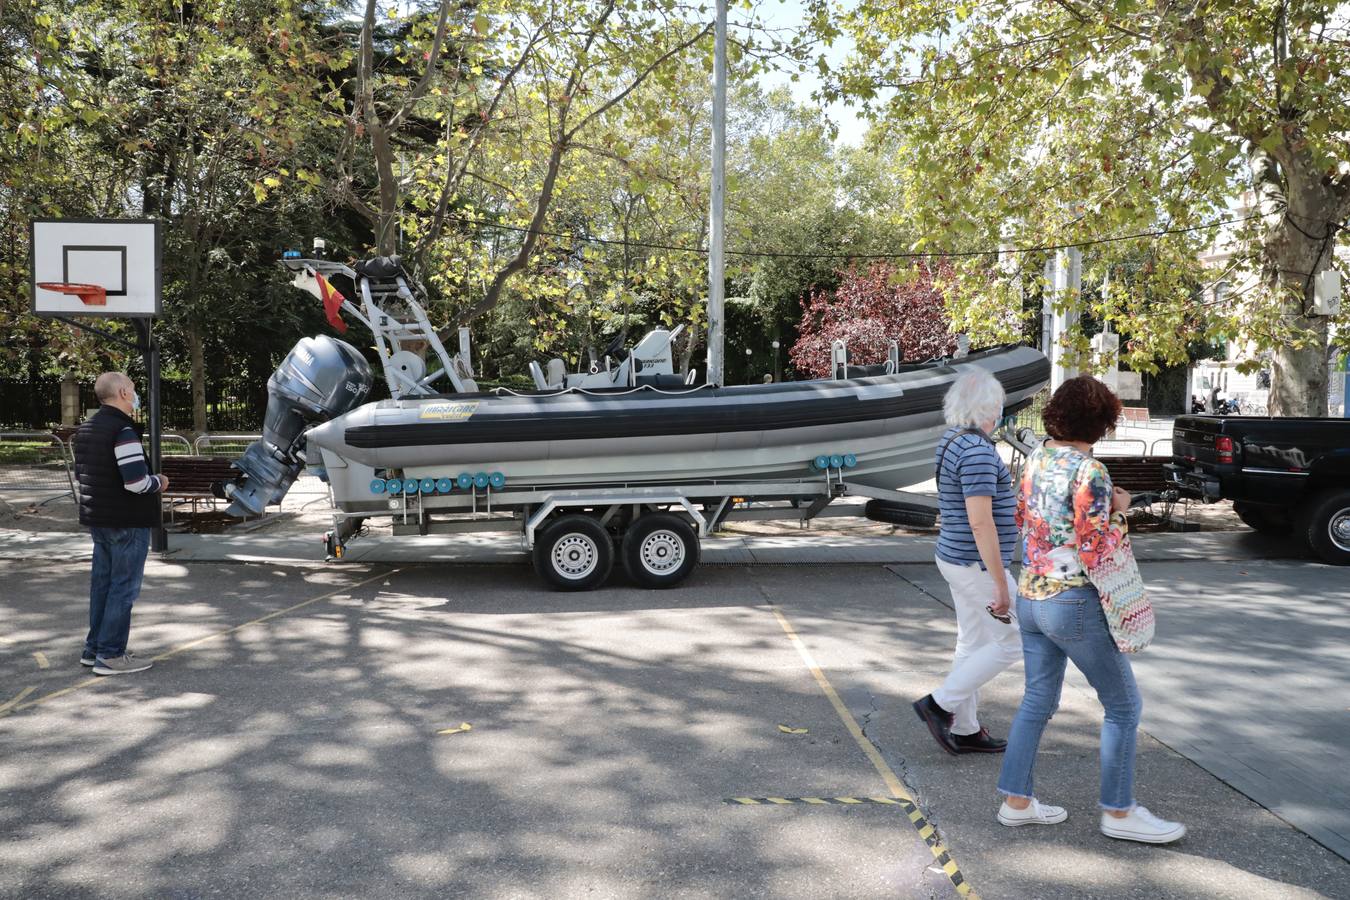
column 1035, row 814
column 1142, row 825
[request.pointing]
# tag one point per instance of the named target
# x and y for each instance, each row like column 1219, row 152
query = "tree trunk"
column 1296, row 250
column 198, row 356
column 386, row 228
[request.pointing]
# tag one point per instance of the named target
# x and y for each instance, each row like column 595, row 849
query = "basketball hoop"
column 89, row 294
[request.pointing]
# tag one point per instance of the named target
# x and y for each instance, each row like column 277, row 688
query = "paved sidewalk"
column 814, row 547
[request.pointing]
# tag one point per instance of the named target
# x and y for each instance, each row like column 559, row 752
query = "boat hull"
column 890, row 423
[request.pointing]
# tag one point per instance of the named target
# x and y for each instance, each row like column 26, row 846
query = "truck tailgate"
column 1193, row 440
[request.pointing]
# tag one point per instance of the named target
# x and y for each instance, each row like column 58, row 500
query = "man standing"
column 119, row 503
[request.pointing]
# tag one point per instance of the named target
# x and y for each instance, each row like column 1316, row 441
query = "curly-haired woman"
column 1070, row 516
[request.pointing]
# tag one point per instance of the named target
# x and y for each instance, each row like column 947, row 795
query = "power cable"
column 927, row 254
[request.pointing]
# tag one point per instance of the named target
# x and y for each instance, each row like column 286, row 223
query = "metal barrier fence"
column 172, row 445
column 34, row 461
column 230, row 445
column 1114, row 447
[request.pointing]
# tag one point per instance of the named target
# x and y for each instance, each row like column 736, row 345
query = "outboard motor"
column 320, row 378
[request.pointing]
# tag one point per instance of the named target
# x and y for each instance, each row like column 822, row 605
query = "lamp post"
column 777, row 375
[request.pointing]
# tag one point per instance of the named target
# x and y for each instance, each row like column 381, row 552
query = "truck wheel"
column 574, row 553
column 1326, row 523
column 1265, row 519
column 660, row 550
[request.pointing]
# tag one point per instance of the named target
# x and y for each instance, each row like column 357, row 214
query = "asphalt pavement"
column 303, row 735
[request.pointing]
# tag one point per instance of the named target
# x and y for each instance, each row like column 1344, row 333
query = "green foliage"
column 1036, row 124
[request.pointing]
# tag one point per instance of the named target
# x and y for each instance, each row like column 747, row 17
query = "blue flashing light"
column 821, row 462
column 836, row 461
column 394, row 486
column 497, row 479
column 428, row 485
column 377, row 486
column 481, row 480
column 291, row 254
column 445, row 485
column 464, row 480
column 850, row 460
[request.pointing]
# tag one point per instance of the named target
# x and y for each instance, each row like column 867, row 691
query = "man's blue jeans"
column 1072, row 626
column 114, row 585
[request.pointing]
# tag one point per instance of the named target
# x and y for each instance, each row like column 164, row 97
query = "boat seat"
column 380, row 268
column 661, row 380
column 557, row 373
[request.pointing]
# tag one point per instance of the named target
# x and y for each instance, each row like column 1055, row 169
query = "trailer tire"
column 1325, row 524
column 1263, row 519
column 660, row 550
column 574, row 553
column 909, row 515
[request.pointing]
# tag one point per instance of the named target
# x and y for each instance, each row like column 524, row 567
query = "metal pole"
column 158, row 537
column 717, row 223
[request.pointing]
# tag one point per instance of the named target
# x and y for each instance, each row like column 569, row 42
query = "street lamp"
column 777, row 376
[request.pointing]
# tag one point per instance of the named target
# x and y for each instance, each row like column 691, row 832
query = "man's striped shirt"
column 131, row 463
column 969, row 466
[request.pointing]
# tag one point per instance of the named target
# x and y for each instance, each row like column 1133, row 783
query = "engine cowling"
column 320, row 379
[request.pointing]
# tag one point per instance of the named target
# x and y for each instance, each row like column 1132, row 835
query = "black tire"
column 574, row 553
column 1325, row 524
column 893, row 513
column 1265, row 519
column 660, row 550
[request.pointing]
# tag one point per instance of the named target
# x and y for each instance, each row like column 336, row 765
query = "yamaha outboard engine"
column 320, row 378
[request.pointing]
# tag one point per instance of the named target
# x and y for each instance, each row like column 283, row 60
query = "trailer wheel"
column 1264, row 519
column 574, row 553
column 660, row 550
column 1326, row 525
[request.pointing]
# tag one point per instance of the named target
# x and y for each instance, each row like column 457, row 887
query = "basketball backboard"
column 72, row 257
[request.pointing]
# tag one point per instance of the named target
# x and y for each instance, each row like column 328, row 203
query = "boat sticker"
column 448, row 412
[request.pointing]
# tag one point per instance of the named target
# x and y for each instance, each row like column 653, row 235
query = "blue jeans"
column 114, row 585
column 1072, row 626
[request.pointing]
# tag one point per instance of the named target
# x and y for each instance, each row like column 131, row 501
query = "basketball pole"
column 159, row 539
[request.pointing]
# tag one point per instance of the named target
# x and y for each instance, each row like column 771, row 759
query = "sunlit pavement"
column 303, row 734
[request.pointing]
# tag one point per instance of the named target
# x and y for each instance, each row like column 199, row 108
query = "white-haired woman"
column 975, row 546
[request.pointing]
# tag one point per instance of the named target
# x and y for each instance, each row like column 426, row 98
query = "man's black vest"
column 105, row 501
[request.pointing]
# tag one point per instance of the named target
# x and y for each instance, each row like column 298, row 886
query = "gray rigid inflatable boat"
column 889, row 424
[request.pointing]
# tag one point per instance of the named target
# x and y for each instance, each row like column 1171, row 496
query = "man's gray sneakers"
column 121, row 665
column 1142, row 825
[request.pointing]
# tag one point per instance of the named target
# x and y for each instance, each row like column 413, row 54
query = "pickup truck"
column 1283, row 474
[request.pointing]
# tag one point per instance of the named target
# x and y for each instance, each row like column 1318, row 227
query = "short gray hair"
column 976, row 397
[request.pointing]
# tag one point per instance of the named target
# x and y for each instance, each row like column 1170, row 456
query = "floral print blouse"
column 1064, row 511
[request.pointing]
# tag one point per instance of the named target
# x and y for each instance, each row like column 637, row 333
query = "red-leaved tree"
column 869, row 310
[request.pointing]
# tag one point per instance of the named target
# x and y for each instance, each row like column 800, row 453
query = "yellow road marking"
column 41, row 659
column 458, row 729
column 14, row 706
column 23, row 693
column 892, row 781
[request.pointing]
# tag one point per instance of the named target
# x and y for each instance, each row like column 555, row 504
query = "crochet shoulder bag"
column 1129, row 613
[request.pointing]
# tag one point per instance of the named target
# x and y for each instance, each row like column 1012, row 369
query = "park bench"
column 1134, row 414
column 1137, row 474
column 191, row 477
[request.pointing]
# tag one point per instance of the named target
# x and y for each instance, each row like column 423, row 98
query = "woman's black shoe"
column 939, row 722
column 979, row 742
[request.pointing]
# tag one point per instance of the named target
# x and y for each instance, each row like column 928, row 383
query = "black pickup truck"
column 1283, row 475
